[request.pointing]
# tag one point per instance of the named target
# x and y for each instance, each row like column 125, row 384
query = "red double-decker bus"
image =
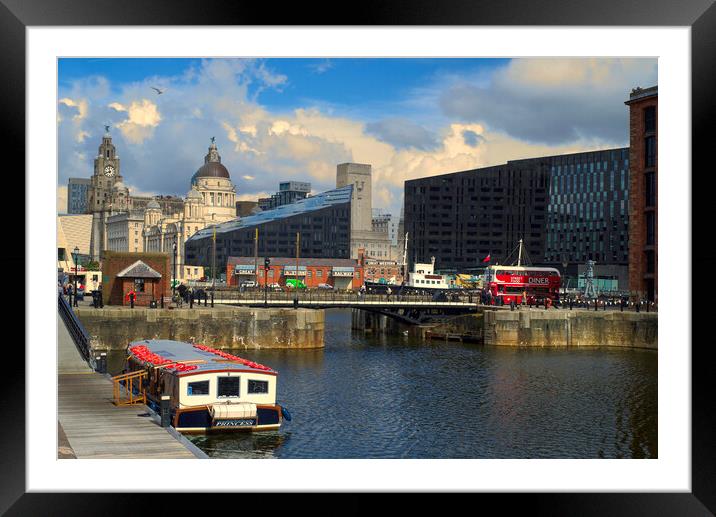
column 508, row 283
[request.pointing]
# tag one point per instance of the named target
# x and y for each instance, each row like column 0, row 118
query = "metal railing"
column 74, row 327
column 126, row 381
column 317, row 297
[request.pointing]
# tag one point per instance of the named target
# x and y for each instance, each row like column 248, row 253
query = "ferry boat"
column 210, row 390
column 423, row 277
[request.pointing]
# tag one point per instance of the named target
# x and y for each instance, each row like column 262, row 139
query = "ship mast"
column 519, row 255
column 405, row 249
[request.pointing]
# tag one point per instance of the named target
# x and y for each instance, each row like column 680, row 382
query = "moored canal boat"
column 210, row 390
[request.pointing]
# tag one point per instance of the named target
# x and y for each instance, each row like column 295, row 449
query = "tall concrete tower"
column 106, row 174
column 375, row 244
column 358, row 175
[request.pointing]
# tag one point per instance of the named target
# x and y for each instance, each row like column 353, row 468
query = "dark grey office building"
column 462, row 217
column 323, row 221
column 567, row 209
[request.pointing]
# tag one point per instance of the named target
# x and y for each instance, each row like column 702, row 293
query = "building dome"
column 153, row 205
column 212, row 167
column 120, row 186
column 194, row 194
column 211, row 170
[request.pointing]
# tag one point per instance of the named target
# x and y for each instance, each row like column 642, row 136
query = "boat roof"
column 180, row 351
column 523, row 268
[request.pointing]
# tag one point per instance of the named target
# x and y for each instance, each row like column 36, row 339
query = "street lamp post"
column 267, row 262
column 174, row 270
column 76, row 253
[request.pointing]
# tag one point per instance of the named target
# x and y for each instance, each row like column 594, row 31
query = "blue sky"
column 282, row 119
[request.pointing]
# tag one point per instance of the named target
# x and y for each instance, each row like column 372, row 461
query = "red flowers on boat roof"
column 231, row 357
column 143, row 353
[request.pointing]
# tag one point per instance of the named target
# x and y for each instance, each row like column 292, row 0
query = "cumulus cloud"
column 553, row 101
column 142, row 117
column 80, row 105
column 402, row 133
column 162, row 141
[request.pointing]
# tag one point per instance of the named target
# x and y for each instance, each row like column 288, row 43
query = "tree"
column 90, row 265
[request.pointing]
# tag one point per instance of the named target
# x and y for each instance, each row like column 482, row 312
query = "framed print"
column 162, row 128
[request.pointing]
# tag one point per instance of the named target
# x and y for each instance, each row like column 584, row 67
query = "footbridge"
column 413, row 308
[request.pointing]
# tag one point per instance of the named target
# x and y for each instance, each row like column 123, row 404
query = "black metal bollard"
column 637, row 306
column 101, row 362
column 647, row 306
column 191, row 301
column 165, row 410
column 131, row 301
column 571, row 302
column 621, row 306
column 212, row 299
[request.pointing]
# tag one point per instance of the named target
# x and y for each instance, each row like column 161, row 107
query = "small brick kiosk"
column 147, row 274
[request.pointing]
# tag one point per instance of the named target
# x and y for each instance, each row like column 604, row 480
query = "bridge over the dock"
column 89, row 424
column 413, row 308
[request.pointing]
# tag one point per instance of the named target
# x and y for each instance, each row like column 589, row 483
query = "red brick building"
column 339, row 273
column 147, row 274
column 383, row 271
column 643, row 205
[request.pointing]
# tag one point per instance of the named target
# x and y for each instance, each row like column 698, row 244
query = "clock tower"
column 106, row 174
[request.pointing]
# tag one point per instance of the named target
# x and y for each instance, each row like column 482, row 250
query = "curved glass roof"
column 302, row 206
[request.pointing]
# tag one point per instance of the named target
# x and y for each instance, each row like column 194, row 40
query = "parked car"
column 275, row 287
column 325, row 286
column 248, row 283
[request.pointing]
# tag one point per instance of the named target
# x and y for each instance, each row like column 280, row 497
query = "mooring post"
column 101, row 362
column 165, row 410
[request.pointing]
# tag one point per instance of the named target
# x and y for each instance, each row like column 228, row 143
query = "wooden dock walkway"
column 95, row 428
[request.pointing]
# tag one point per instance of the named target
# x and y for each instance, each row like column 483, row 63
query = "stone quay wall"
column 560, row 328
column 114, row 328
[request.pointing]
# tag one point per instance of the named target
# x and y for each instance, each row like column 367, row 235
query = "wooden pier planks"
column 96, row 428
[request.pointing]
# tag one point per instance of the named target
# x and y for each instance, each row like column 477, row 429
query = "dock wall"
column 560, row 328
column 235, row 327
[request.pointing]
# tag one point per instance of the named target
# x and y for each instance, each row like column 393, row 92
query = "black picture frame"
column 16, row 15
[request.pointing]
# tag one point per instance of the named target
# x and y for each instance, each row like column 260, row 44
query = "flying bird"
column 159, row 92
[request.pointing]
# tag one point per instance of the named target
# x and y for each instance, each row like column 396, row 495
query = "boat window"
column 258, row 386
column 228, row 387
column 198, row 388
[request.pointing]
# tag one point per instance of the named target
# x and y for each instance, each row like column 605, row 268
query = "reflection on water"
column 368, row 396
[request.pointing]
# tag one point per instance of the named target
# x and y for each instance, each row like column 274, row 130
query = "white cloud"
column 143, row 117
column 163, row 141
column 81, row 105
column 551, row 100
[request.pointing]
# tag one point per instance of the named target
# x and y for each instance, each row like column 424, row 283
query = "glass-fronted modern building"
column 588, row 211
column 323, row 222
column 77, row 191
column 567, row 209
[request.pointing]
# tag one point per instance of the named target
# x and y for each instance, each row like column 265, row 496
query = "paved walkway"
column 91, row 426
column 69, row 359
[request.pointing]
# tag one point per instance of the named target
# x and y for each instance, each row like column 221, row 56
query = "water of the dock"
column 91, row 426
